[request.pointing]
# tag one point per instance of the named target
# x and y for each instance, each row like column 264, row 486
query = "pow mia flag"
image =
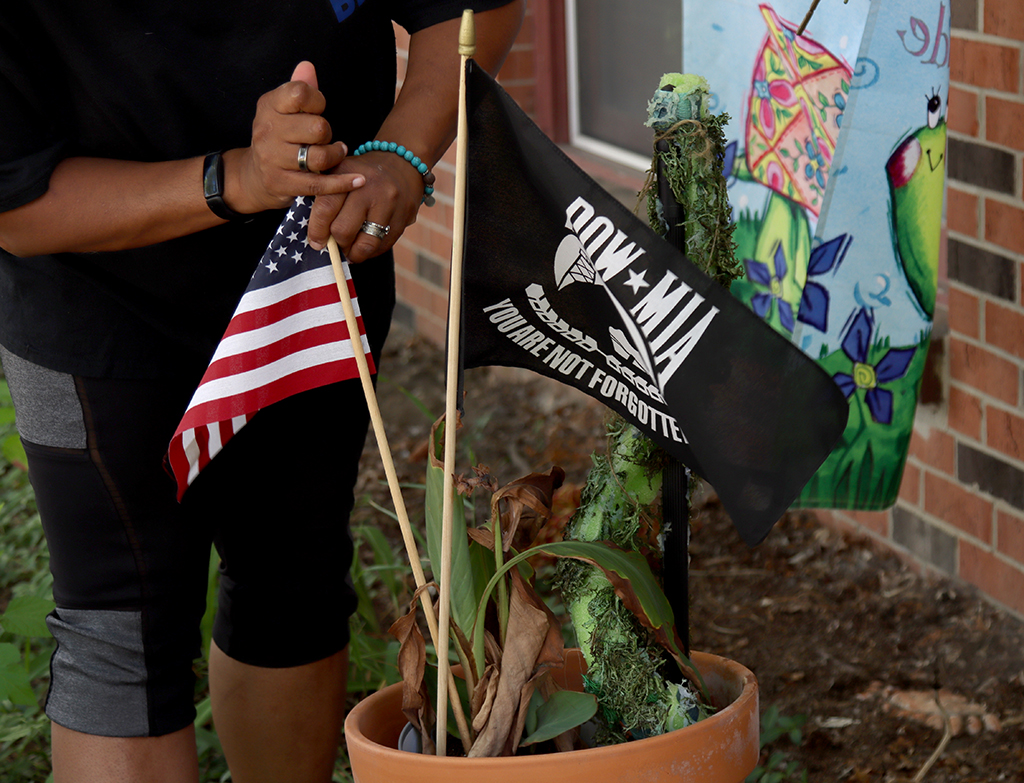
column 563, row 280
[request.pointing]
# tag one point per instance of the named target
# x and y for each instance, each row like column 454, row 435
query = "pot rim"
column 354, row 734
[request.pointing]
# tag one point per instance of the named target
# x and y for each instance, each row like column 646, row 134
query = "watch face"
column 213, row 175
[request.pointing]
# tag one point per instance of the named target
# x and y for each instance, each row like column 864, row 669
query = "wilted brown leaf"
column 412, row 659
column 527, row 634
column 527, row 499
column 483, row 697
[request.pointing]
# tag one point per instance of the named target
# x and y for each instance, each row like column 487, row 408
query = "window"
column 617, row 53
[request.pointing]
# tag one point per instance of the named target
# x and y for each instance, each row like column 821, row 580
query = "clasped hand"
column 378, row 187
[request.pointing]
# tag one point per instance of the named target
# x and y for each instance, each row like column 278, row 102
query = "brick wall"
column 961, row 506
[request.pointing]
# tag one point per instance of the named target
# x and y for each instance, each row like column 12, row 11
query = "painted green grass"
column 868, row 461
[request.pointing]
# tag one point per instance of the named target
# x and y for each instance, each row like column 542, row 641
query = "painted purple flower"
column 761, row 275
column 869, row 377
column 729, row 160
column 815, row 299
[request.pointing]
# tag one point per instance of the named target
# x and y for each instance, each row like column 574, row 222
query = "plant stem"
column 499, row 552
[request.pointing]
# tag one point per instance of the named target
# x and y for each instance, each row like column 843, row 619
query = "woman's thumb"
column 305, row 72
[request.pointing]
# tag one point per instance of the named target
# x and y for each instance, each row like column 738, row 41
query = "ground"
column 835, row 629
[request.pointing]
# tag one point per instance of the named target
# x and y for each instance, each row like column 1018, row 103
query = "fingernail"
column 316, row 245
column 358, row 182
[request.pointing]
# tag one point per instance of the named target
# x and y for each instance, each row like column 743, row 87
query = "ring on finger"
column 375, row 229
column 303, row 154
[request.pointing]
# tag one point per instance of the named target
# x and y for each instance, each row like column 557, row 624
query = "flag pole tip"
column 467, row 34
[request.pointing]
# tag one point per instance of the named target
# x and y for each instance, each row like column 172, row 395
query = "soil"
column 838, row 631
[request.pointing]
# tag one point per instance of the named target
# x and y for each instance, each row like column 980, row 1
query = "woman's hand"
column 390, row 197
column 267, row 174
column 422, row 120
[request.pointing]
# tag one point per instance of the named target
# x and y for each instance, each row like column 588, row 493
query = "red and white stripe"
column 283, row 339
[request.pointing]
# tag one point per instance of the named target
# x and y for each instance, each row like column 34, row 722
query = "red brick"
column 985, row 65
column 962, row 211
column 405, row 256
column 962, row 114
column 414, row 235
column 936, row 449
column 441, row 245
column 998, row 578
column 964, row 312
column 1004, row 225
column 910, row 487
column 525, row 96
column 875, row 521
column 965, row 413
column 431, row 329
column 961, row 508
column 1004, row 328
column 1005, row 432
column 1003, row 122
column 518, row 66
column 1005, row 18
column 983, row 370
column 1010, row 536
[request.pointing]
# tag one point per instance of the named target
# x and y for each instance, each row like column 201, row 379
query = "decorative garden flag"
column 837, row 170
column 287, row 335
column 560, row 278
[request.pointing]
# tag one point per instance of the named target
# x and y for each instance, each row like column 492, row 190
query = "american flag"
column 287, row 335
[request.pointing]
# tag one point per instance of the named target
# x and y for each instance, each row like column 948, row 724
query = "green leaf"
column 14, row 451
column 564, row 710
column 14, row 682
column 420, row 405
column 631, row 567
column 383, row 555
column 464, row 588
column 26, row 616
column 212, row 585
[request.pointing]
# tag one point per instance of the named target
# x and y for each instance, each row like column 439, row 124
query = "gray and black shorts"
column 130, row 563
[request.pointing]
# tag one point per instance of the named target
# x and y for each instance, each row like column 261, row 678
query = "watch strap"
column 213, row 188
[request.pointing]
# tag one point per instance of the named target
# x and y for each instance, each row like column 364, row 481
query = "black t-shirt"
column 143, row 81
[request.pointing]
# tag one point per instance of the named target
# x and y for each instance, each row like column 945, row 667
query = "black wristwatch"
column 213, row 189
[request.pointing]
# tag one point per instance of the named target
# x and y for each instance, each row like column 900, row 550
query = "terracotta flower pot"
column 721, row 749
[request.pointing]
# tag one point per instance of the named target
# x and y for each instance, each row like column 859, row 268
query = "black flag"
column 561, row 279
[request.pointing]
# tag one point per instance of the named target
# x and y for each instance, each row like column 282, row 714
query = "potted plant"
column 526, row 662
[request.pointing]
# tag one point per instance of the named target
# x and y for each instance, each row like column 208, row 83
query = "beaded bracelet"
column 419, row 165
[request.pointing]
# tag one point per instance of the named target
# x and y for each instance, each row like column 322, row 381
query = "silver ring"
column 303, row 152
column 374, row 229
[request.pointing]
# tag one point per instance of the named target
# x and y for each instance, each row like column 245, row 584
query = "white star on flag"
column 287, row 335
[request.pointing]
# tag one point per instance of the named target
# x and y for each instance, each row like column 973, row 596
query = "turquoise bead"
column 400, row 150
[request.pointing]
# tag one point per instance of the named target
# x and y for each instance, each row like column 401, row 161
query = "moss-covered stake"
column 620, row 503
column 678, row 113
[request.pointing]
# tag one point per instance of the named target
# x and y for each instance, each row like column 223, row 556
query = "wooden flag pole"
column 412, row 552
column 467, row 48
